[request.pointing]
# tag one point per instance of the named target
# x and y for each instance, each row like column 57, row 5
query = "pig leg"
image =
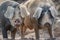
column 4, row 32
column 13, row 34
column 50, row 32
column 36, row 32
column 22, row 33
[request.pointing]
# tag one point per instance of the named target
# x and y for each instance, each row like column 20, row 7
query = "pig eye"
column 19, row 11
column 20, row 14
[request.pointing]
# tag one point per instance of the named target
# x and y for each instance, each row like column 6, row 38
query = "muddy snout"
column 17, row 22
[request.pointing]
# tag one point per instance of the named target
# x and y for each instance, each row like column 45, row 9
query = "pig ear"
column 24, row 11
column 54, row 12
column 9, row 13
column 37, row 13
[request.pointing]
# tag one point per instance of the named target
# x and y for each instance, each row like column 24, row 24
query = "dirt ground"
column 31, row 35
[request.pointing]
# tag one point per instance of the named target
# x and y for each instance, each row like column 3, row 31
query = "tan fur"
column 1, row 1
column 30, row 22
column 31, row 5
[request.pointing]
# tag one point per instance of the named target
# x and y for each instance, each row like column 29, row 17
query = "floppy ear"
column 24, row 11
column 37, row 13
column 9, row 13
column 54, row 12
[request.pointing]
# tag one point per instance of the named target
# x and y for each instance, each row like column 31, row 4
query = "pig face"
column 45, row 15
column 14, row 15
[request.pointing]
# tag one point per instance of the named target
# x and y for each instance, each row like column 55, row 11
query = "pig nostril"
column 17, row 20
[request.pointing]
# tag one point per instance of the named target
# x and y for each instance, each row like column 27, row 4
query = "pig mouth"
column 47, row 24
column 17, row 24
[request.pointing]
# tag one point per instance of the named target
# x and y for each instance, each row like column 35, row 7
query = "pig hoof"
column 52, row 39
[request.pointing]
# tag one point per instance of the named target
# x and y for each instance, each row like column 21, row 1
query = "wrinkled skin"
column 10, row 21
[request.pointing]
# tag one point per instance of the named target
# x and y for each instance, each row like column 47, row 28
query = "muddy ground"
column 31, row 35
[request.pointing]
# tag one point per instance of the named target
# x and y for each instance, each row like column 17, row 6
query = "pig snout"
column 17, row 22
column 47, row 24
